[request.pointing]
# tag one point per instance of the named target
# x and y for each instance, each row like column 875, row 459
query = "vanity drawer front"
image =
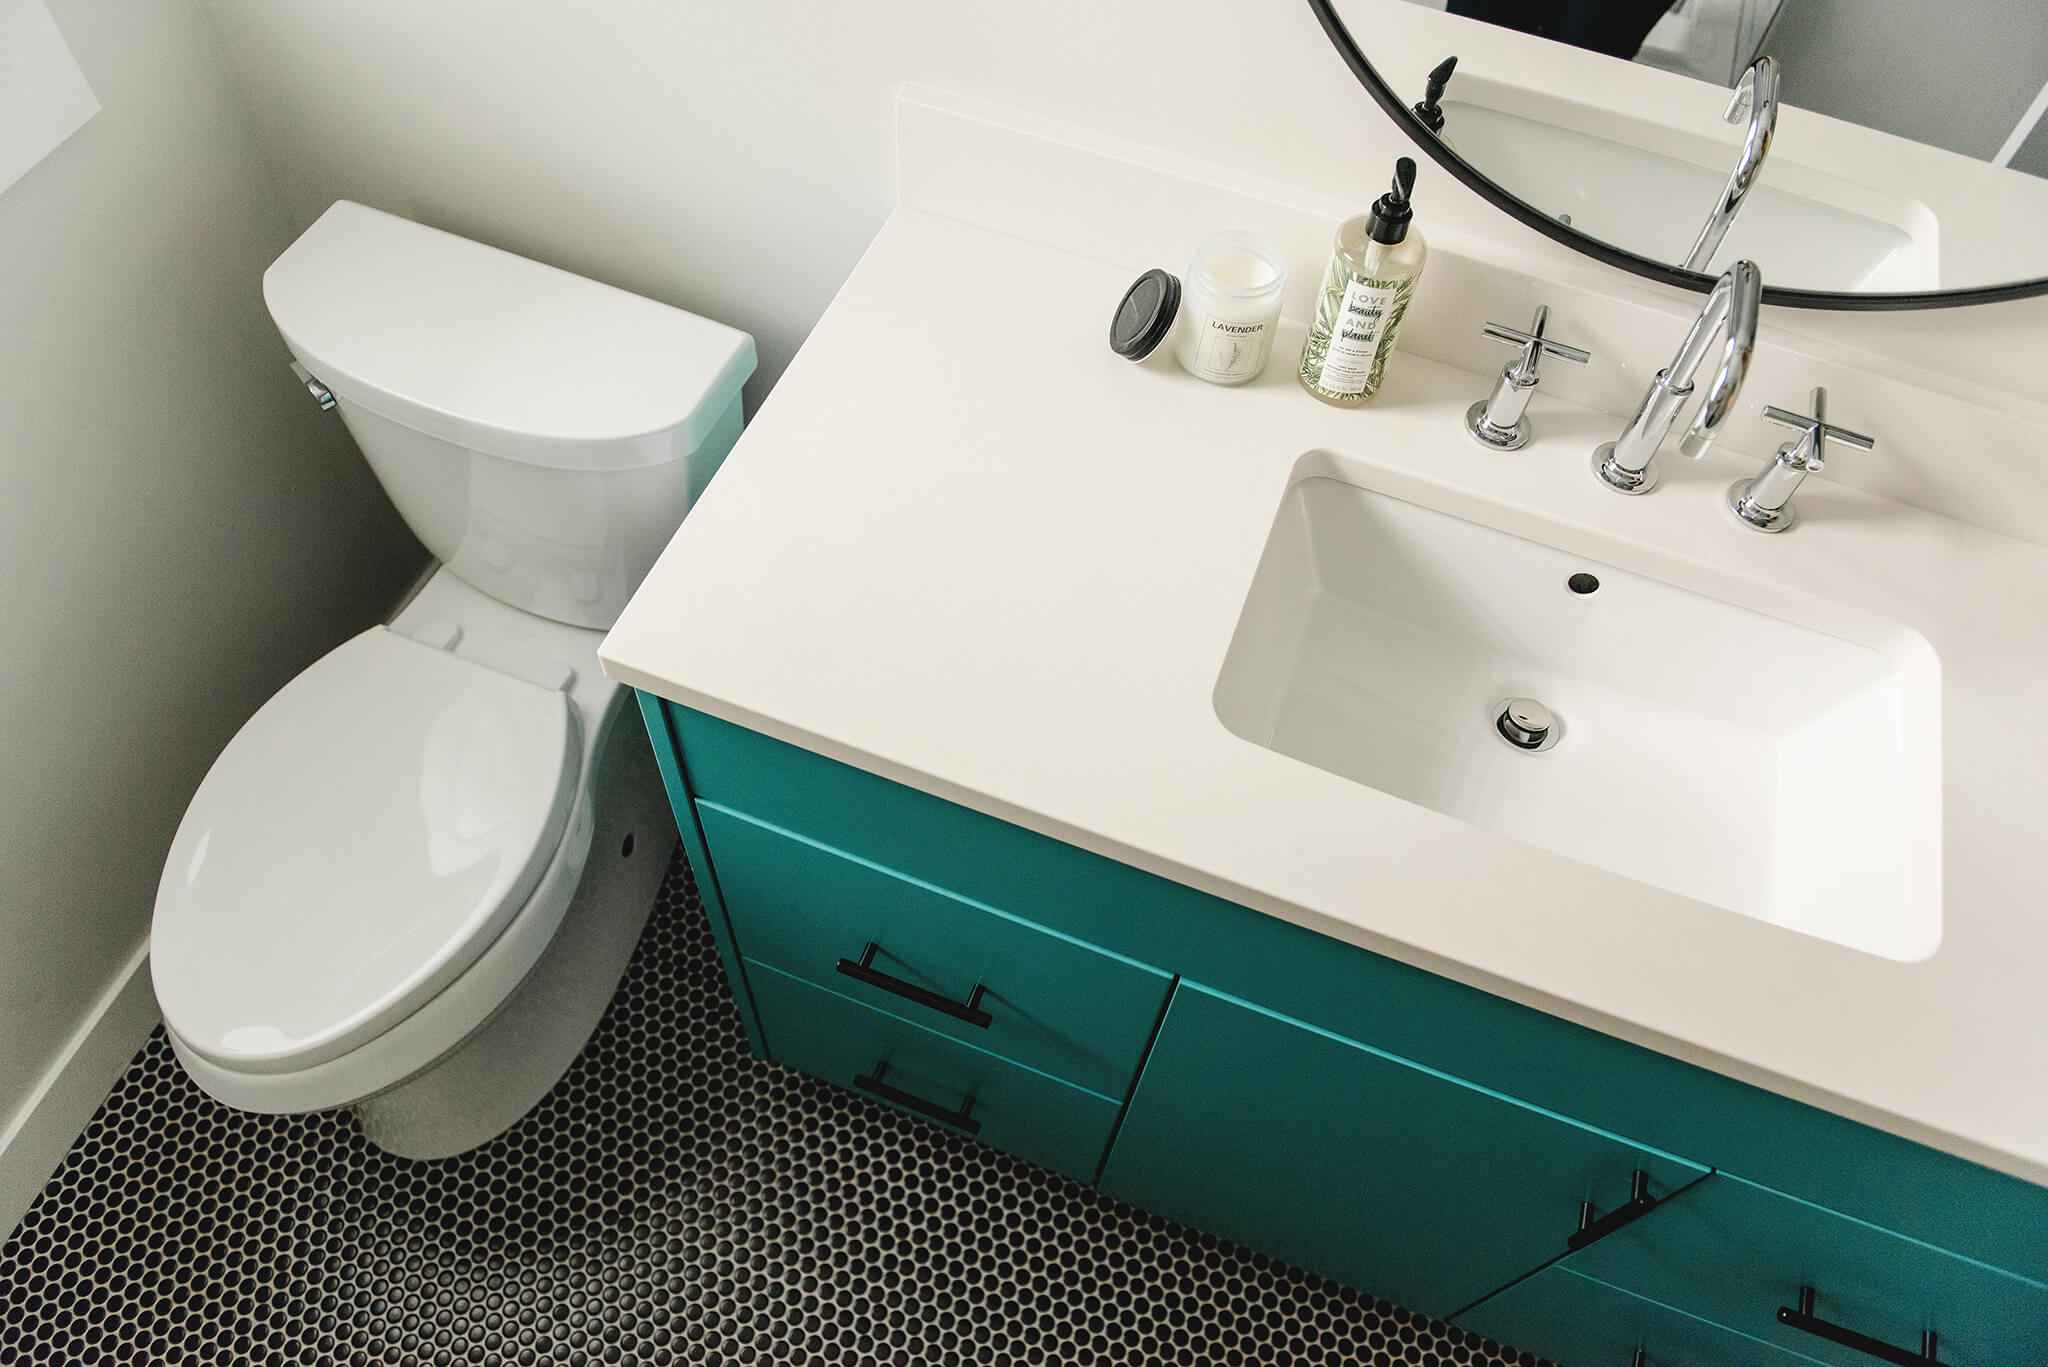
column 1070, row 890
column 1046, row 1001
column 1733, row 1252
column 1568, row 1318
column 1355, row 1164
column 966, row 1090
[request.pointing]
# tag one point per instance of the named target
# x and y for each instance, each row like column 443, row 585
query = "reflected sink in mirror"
column 1766, row 768
column 1652, row 203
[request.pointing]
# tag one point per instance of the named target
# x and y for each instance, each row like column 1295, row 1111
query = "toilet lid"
column 359, row 843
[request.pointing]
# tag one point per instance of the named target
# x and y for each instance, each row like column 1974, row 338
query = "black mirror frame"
column 1471, row 177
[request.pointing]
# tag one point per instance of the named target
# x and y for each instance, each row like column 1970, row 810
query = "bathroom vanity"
column 986, row 686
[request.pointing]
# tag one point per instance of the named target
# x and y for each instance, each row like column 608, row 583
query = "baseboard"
column 36, row 1138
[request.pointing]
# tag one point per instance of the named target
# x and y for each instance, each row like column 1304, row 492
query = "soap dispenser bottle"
column 1373, row 269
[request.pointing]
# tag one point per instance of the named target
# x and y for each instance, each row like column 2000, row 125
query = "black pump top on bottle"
column 1431, row 111
column 1391, row 212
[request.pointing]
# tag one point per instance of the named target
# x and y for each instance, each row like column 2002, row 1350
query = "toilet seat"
column 362, row 840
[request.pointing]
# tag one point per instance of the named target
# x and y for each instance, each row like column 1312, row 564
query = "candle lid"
column 1145, row 316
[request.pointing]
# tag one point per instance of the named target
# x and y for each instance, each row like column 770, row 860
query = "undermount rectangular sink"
column 1769, row 769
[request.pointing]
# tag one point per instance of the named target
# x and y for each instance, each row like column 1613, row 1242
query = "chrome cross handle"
column 1500, row 422
column 1765, row 502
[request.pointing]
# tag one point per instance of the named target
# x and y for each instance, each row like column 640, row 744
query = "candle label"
column 1232, row 351
column 1362, row 318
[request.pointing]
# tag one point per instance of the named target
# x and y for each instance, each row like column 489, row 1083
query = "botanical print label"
column 1347, row 350
column 1361, row 321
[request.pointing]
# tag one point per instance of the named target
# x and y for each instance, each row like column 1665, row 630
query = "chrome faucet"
column 1755, row 97
column 1497, row 421
column 1765, row 502
column 1626, row 464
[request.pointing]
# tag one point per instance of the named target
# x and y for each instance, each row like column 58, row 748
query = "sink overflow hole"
column 1582, row 582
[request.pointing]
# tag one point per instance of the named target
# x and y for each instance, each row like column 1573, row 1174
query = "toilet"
column 411, row 882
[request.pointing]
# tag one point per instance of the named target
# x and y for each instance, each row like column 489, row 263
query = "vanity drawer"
column 976, row 856
column 917, row 951
column 1357, row 1165
column 1734, row 1252
column 1564, row 1317
column 963, row 1089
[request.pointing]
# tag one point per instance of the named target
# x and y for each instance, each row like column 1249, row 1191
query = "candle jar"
column 1230, row 307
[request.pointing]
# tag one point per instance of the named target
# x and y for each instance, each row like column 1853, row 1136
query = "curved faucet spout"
column 1756, row 96
column 1733, row 308
column 1626, row 464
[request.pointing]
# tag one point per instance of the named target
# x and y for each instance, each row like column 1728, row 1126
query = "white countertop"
column 965, row 547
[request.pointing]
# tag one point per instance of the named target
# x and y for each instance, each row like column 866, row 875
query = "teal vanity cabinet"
column 859, row 955
column 1535, row 1181
column 956, row 966
column 1739, row 1255
column 1359, row 1165
column 1049, row 1121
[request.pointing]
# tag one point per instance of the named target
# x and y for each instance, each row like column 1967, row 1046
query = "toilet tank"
column 541, row 433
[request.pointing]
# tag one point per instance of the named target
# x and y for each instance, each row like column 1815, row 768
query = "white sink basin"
column 1768, row 769
column 1806, row 230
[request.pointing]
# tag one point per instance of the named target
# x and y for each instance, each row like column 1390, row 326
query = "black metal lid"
column 1145, row 316
column 1392, row 212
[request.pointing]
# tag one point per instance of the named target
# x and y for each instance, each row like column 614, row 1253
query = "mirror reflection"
column 1928, row 172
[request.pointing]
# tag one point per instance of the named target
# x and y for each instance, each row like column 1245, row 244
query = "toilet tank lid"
column 492, row 350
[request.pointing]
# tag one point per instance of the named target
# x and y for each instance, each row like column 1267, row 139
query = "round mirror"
column 1867, row 154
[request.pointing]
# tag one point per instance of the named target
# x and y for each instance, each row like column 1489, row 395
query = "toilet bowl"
column 410, row 883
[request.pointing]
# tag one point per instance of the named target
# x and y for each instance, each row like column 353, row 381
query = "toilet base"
column 493, row 1078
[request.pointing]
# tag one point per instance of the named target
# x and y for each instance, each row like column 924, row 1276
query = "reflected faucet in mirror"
column 1925, row 184
column 1756, row 97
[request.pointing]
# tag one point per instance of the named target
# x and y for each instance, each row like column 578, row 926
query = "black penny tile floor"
column 673, row 1200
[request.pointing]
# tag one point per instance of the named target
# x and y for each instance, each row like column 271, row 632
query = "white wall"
column 180, row 528
column 735, row 158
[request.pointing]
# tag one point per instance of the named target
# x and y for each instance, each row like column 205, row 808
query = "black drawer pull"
column 969, row 1010
column 1639, row 1204
column 1803, row 1319
column 962, row 1120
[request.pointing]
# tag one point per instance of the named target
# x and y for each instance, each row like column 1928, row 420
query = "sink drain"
column 1526, row 724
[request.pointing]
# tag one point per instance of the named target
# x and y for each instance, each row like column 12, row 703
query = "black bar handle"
column 1639, row 1204
column 1804, row 1319
column 969, row 1010
column 962, row 1120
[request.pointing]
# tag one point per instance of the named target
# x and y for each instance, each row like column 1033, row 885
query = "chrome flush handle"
column 322, row 395
column 1764, row 503
column 1500, row 422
